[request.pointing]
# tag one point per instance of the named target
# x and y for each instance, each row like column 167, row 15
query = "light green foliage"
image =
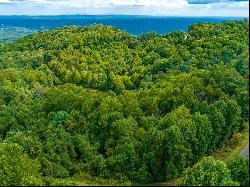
column 208, row 172
column 31, row 145
column 99, row 100
column 16, row 168
column 50, row 181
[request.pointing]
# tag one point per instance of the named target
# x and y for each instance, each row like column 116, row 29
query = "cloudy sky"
column 128, row 7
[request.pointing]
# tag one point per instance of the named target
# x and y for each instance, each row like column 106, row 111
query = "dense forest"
column 101, row 101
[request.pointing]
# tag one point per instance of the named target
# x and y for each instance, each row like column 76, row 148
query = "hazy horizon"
column 135, row 15
column 194, row 8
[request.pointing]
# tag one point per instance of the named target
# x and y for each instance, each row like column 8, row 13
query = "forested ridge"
column 11, row 33
column 99, row 100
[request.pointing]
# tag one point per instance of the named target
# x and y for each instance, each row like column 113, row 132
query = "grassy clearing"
column 88, row 180
column 234, row 146
column 164, row 183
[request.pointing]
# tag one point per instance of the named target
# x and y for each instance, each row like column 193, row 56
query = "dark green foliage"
column 239, row 168
column 98, row 100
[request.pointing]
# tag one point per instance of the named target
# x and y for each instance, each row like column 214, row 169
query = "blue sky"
column 127, row 7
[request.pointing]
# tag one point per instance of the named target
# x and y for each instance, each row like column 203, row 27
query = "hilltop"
column 99, row 100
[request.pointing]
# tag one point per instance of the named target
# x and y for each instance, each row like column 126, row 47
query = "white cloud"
column 223, row 5
column 150, row 7
column 164, row 3
column 5, row 1
column 112, row 3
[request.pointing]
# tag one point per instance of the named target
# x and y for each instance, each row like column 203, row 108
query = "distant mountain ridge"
column 159, row 24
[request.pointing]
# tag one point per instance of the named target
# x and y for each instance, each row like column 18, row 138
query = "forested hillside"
column 10, row 33
column 100, row 101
